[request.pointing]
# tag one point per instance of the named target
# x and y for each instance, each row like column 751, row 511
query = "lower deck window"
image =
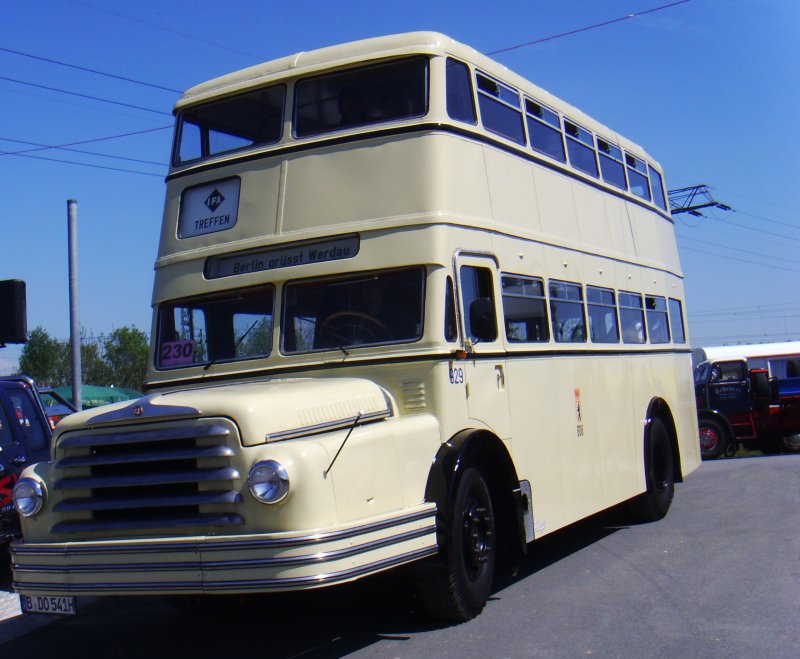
column 602, row 315
column 631, row 317
column 657, row 322
column 566, row 308
column 525, row 310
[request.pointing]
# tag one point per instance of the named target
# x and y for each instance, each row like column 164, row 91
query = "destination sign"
column 242, row 263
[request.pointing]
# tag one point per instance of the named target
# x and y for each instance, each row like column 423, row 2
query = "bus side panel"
column 551, row 449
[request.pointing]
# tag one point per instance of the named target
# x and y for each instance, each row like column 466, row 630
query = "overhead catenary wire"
column 93, row 98
column 586, row 28
column 83, row 164
column 88, row 70
column 45, row 147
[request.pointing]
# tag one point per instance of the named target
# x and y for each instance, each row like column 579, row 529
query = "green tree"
column 121, row 360
column 126, row 357
column 42, row 358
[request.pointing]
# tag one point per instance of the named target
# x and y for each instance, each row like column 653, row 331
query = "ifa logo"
column 214, row 200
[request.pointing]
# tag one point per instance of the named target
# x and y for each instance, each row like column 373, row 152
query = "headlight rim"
column 37, row 493
column 279, row 471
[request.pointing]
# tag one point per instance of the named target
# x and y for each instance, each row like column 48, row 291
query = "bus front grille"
column 173, row 476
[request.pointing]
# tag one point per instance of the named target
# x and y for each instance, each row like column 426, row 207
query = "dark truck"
column 25, row 432
column 752, row 400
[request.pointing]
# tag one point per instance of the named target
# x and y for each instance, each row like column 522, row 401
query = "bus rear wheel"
column 712, row 439
column 659, row 473
column 456, row 585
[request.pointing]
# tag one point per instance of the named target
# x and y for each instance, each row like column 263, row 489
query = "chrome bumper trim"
column 20, row 548
column 255, row 585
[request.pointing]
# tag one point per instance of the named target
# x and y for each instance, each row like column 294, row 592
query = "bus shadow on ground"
column 329, row 622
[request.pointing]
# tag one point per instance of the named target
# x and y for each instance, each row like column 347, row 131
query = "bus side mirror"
column 482, row 319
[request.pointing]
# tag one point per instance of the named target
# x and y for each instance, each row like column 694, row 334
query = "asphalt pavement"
column 717, row 578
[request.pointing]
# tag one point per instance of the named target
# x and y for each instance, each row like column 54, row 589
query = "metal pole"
column 74, row 320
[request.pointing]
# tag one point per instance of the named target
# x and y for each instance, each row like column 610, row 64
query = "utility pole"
column 74, row 320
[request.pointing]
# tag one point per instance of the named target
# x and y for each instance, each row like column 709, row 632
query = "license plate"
column 60, row 605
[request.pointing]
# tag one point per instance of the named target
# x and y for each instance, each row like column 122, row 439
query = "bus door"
column 485, row 367
column 728, row 391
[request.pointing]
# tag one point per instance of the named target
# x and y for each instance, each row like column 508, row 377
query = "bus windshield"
column 359, row 310
column 235, row 325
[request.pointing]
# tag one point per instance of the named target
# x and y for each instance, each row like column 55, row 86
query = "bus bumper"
column 225, row 564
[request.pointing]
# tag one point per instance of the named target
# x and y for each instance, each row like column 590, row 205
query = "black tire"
column 455, row 586
column 713, row 439
column 791, row 443
column 659, row 473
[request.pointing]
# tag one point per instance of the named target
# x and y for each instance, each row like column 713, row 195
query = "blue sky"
column 708, row 87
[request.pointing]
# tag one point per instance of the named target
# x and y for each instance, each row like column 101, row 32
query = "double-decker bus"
column 408, row 308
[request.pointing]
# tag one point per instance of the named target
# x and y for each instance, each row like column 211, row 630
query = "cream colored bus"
column 408, row 308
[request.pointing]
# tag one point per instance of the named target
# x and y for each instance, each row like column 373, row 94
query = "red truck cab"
column 743, row 403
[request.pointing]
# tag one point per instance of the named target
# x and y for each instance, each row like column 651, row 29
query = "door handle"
column 19, row 460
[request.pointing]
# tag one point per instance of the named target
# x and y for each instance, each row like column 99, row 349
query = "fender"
column 482, row 449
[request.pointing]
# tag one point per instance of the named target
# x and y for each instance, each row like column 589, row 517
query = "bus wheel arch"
column 659, row 409
column 473, row 483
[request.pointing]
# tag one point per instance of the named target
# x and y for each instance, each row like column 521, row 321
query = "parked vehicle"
column 55, row 405
column 748, row 395
column 24, row 439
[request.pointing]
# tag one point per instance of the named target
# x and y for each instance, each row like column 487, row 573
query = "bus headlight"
column 268, row 481
column 28, row 495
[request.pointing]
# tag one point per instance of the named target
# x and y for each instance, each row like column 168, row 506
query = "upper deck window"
column 460, row 103
column 221, row 327
column 232, row 123
column 580, row 147
column 544, row 129
column 357, row 310
column 637, row 176
column 657, row 185
column 500, row 109
column 611, row 163
column 362, row 96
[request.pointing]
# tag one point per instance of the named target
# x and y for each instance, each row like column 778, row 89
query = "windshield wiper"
column 235, row 345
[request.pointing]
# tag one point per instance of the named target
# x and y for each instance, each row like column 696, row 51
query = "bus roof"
column 433, row 43
column 746, row 351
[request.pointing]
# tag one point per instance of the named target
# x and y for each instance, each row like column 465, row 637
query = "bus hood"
column 265, row 411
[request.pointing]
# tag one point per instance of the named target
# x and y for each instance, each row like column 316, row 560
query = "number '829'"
column 457, row 375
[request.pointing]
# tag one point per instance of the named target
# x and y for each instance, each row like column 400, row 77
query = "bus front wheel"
column 712, row 439
column 456, row 585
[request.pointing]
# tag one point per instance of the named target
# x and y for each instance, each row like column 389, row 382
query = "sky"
column 709, row 88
